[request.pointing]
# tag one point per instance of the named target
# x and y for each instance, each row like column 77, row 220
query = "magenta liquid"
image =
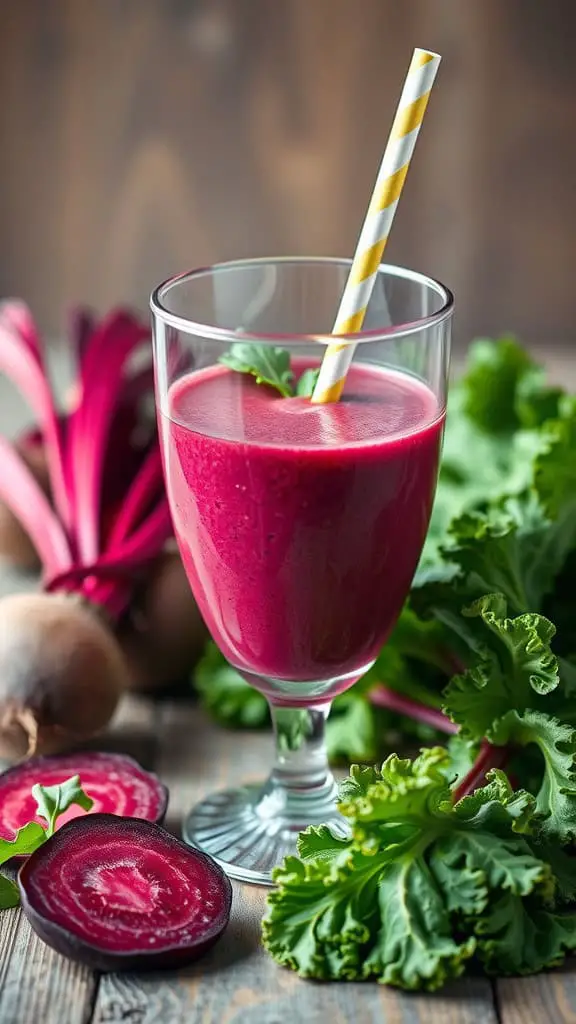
column 301, row 525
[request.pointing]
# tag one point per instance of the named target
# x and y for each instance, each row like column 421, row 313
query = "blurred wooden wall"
column 140, row 137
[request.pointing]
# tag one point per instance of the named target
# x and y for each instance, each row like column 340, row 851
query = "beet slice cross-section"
column 116, row 783
column 123, row 894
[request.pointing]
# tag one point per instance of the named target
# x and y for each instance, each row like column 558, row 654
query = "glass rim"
column 229, row 335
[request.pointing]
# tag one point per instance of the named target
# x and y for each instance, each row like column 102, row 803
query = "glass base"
column 249, row 831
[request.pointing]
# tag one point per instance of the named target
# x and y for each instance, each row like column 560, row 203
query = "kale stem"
column 383, row 697
column 488, row 757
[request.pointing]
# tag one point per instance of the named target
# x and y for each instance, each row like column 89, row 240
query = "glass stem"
column 301, row 784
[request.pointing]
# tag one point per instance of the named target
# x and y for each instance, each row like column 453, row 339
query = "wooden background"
column 140, row 137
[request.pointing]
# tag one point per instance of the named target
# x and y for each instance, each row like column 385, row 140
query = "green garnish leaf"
column 9, row 895
column 266, row 364
column 54, row 800
column 307, row 382
column 27, row 839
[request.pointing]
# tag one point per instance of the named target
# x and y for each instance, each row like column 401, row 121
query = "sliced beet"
column 116, row 783
column 124, row 894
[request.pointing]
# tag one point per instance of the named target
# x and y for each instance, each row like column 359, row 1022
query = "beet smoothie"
column 301, row 525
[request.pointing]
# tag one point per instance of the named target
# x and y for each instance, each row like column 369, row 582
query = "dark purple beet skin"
column 116, row 783
column 123, row 894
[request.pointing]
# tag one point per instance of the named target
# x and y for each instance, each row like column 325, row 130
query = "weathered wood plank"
column 544, row 999
column 238, row 982
column 37, row 986
column 132, row 731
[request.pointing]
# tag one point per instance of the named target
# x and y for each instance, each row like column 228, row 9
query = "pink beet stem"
column 21, row 361
column 488, row 757
column 147, row 485
column 141, row 547
column 147, row 540
column 106, row 354
column 17, row 315
column 383, row 697
column 25, row 498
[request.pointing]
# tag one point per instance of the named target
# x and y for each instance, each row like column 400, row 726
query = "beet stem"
column 384, row 697
column 489, row 757
column 103, row 363
column 146, row 485
column 141, row 547
column 23, row 364
column 23, row 495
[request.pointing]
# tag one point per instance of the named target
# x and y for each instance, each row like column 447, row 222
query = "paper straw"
column 376, row 228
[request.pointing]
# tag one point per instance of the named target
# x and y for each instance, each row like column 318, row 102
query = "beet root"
column 61, row 674
column 123, row 894
column 116, row 783
column 164, row 634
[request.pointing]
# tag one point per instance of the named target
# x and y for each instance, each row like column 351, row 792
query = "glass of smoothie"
column 300, row 525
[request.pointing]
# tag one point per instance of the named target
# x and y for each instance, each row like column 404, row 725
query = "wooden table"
column 237, row 983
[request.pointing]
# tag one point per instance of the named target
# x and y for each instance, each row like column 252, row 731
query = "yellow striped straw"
column 376, row 228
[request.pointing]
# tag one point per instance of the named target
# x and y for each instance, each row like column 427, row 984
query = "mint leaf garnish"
column 54, row 800
column 307, row 382
column 266, row 364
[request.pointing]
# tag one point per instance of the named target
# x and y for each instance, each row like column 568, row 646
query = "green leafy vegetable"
column 515, row 666
column 226, row 695
column 504, row 390
column 266, row 364
column 421, row 886
column 52, row 801
column 555, row 470
column 495, row 427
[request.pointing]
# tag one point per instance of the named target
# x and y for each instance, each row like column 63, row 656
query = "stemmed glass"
column 300, row 525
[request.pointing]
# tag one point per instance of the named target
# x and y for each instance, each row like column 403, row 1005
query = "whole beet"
column 61, row 674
